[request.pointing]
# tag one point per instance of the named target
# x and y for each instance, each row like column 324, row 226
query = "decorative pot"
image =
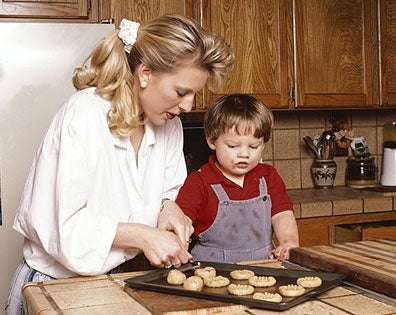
column 323, row 173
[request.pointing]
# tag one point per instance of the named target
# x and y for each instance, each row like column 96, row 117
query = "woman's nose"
column 187, row 104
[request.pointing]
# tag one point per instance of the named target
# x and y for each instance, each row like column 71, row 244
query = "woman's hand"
column 162, row 248
column 172, row 219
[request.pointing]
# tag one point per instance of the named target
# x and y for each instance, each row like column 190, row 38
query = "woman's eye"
column 181, row 93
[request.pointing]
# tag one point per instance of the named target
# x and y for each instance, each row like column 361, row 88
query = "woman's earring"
column 143, row 84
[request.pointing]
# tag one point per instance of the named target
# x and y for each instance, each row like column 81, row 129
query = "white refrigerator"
column 36, row 66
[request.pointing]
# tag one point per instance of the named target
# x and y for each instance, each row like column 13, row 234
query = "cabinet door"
column 336, row 53
column 388, row 52
column 260, row 32
column 49, row 9
column 144, row 10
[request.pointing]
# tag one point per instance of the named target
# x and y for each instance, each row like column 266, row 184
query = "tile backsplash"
column 288, row 152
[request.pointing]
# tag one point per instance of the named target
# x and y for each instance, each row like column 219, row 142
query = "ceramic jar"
column 323, row 173
column 361, row 172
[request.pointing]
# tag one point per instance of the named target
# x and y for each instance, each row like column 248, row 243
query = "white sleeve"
column 54, row 210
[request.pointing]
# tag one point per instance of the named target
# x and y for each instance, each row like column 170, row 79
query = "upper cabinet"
column 291, row 54
column 80, row 10
column 336, row 53
column 388, row 52
column 260, row 33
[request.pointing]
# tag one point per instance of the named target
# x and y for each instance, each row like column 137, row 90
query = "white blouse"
column 84, row 180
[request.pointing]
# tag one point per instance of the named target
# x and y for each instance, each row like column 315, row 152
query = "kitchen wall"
column 288, row 153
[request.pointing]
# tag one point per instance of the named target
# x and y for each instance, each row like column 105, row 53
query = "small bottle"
column 323, row 173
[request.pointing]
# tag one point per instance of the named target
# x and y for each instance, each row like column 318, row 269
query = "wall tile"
column 286, row 144
column 290, row 172
column 316, row 209
column 364, row 118
column 347, row 206
column 286, row 120
column 377, row 204
column 312, row 119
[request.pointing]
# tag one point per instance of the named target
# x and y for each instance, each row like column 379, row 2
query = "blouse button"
column 226, row 203
column 265, row 198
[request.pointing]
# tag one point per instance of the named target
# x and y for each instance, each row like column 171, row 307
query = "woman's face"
column 237, row 154
column 168, row 95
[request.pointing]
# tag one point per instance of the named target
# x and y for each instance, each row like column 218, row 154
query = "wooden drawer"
column 365, row 231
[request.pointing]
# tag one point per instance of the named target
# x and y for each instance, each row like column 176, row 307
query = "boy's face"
column 237, row 154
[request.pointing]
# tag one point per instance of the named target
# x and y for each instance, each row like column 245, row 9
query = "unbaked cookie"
column 309, row 282
column 268, row 296
column 175, row 277
column 241, row 274
column 205, row 272
column 240, row 289
column 194, row 283
column 262, row 281
column 291, row 290
column 216, row 282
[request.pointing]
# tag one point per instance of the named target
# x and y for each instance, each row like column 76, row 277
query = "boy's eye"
column 254, row 146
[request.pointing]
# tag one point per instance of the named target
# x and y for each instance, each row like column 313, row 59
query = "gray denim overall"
column 241, row 231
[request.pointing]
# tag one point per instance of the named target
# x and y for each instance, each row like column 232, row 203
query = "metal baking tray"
column 156, row 281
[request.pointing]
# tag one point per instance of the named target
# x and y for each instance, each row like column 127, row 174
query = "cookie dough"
column 262, row 281
column 241, row 274
column 194, row 283
column 240, row 289
column 291, row 290
column 309, row 282
column 268, row 296
column 216, row 282
column 175, row 277
column 205, row 272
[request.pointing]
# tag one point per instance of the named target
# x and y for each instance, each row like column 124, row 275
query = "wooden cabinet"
column 336, row 53
column 323, row 230
column 145, row 10
column 81, row 10
column 260, row 33
column 388, row 52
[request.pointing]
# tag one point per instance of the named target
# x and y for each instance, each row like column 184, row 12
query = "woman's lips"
column 242, row 165
column 170, row 115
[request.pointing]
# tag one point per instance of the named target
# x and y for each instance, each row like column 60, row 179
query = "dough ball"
column 175, row 277
column 262, row 281
column 241, row 274
column 216, row 282
column 194, row 283
column 205, row 272
column 309, row 282
column 240, row 289
column 291, row 290
column 267, row 296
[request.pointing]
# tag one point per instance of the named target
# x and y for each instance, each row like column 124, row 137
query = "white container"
column 388, row 177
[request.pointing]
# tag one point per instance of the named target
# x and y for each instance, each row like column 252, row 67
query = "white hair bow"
column 128, row 33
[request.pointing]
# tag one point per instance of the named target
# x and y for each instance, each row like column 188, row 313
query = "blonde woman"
column 101, row 189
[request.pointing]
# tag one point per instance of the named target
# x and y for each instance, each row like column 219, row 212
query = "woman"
column 101, row 189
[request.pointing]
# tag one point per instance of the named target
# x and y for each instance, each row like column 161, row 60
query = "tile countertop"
column 342, row 200
column 107, row 295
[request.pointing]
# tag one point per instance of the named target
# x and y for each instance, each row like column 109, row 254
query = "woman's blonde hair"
column 241, row 112
column 165, row 44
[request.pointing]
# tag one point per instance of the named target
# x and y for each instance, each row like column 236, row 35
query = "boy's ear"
column 210, row 143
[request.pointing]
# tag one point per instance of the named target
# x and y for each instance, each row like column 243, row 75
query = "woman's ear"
column 210, row 143
column 143, row 73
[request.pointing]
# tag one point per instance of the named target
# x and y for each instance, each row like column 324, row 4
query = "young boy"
column 234, row 201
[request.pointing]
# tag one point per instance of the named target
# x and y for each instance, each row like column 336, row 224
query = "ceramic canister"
column 323, row 173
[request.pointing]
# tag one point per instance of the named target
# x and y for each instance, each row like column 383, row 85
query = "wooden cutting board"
column 370, row 264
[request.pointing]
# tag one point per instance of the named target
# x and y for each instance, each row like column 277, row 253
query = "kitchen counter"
column 108, row 295
column 342, row 200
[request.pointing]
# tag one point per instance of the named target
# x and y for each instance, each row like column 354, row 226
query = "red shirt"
column 199, row 202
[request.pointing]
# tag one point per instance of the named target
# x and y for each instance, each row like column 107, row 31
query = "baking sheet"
column 156, row 281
